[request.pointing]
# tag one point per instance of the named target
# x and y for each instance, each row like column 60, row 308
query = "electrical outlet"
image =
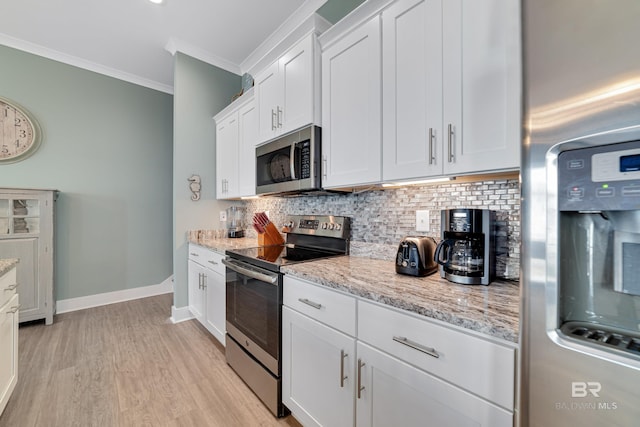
column 223, row 215
column 422, row 221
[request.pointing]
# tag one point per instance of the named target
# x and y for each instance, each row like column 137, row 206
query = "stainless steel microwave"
column 289, row 164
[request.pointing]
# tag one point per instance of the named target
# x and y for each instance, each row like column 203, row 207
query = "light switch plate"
column 223, row 215
column 422, row 221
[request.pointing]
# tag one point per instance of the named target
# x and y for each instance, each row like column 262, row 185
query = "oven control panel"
column 319, row 225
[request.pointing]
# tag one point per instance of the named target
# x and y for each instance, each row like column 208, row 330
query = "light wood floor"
column 126, row 365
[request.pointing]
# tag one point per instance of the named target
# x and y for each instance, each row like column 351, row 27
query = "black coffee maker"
column 466, row 253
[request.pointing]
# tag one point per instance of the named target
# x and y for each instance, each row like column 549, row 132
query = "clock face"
column 19, row 134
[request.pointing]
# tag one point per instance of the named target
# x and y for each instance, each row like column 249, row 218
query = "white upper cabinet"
column 481, row 83
column 236, row 136
column 286, row 91
column 351, row 108
column 412, row 89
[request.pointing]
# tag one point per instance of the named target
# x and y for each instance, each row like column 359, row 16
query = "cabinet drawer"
column 477, row 365
column 8, row 286
column 329, row 307
column 207, row 258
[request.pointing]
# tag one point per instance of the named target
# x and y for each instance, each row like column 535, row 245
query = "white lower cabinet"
column 319, row 368
column 395, row 368
column 206, row 283
column 8, row 336
column 394, row 393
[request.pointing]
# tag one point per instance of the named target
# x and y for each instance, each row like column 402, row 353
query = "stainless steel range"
column 254, row 299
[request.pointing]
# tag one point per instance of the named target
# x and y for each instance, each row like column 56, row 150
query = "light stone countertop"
column 226, row 244
column 492, row 310
column 7, row 264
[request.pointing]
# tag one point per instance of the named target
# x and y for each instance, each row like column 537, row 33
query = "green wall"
column 107, row 147
column 335, row 10
column 200, row 92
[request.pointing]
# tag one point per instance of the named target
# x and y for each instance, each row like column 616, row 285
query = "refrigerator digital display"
column 630, row 163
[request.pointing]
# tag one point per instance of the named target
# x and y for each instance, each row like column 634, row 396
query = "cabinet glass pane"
column 26, row 207
column 4, row 225
column 4, row 208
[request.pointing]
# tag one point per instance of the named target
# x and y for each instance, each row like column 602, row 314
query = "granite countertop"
column 492, row 310
column 225, row 244
column 7, row 264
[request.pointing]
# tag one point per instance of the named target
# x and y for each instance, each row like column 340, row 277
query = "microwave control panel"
column 600, row 178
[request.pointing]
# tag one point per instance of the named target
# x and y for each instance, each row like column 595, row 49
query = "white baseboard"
column 80, row 303
column 180, row 314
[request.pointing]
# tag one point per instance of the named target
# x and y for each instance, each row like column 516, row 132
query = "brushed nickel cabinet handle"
column 310, row 303
column 279, row 121
column 414, row 345
column 450, row 142
column 431, row 158
column 193, row 254
column 324, row 167
column 273, row 119
column 360, row 386
column 204, row 281
column 343, row 377
column 212, row 262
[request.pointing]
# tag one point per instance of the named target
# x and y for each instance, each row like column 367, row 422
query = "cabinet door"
column 227, row 157
column 32, row 295
column 412, row 89
column 481, row 84
column 268, row 92
column 297, row 73
column 351, row 108
column 314, row 358
column 394, row 393
column 9, row 352
column 196, row 290
column 215, row 306
column 248, row 137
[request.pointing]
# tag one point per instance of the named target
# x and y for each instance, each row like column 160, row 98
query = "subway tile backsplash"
column 381, row 218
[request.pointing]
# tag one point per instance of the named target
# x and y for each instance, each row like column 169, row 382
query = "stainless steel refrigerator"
column 580, row 321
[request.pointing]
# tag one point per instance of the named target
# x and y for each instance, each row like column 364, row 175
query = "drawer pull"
column 360, row 386
column 311, row 303
column 427, row 350
column 11, row 287
column 212, row 262
column 342, row 375
column 14, row 309
column 193, row 254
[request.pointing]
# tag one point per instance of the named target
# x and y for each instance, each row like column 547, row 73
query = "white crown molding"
column 82, row 63
column 290, row 30
column 175, row 45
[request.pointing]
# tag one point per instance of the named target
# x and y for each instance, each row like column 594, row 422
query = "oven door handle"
column 263, row 277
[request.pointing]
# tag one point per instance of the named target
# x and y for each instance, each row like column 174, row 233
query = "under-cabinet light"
column 419, row 182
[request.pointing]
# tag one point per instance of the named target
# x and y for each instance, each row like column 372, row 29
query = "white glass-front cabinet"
column 351, row 108
column 236, row 137
column 26, row 233
column 206, row 289
column 287, row 91
column 9, row 305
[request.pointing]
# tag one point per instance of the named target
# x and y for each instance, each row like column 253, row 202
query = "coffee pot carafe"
column 235, row 221
column 466, row 252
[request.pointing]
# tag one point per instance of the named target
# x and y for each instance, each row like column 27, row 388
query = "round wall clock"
column 19, row 132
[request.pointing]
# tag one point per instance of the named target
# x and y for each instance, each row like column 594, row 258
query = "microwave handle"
column 292, row 161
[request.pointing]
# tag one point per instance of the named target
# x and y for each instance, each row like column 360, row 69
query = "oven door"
column 254, row 302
